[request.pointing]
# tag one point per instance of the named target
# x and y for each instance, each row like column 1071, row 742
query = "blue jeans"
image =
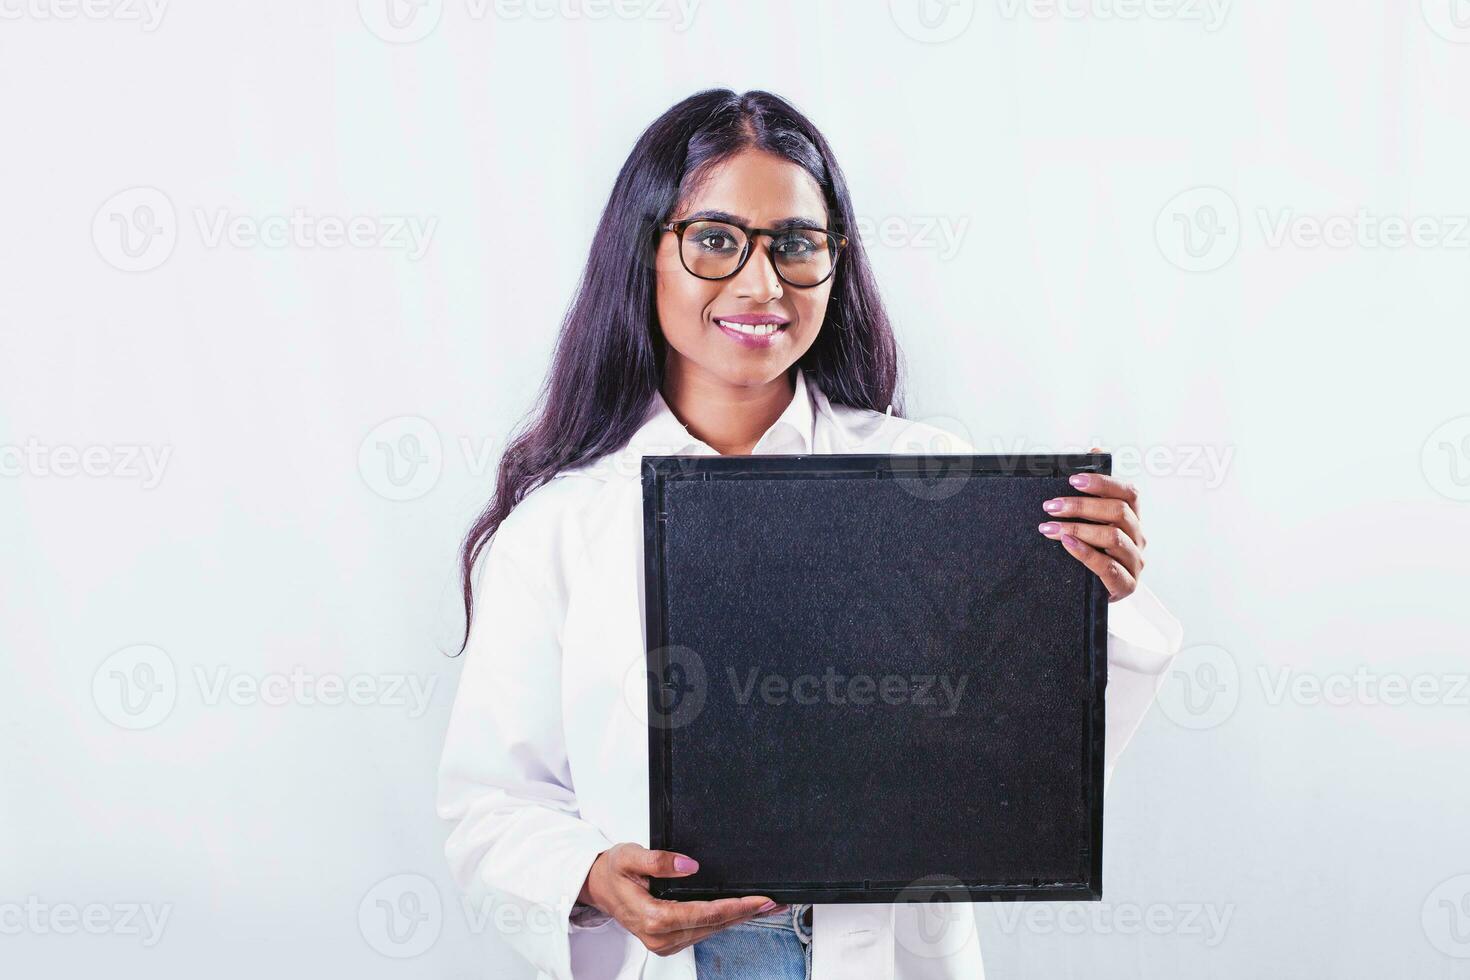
column 769, row 947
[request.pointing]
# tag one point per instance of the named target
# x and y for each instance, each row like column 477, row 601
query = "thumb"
column 663, row 864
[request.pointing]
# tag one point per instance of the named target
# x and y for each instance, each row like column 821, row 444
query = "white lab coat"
column 545, row 762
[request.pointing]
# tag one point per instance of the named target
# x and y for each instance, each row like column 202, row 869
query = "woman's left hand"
column 1111, row 548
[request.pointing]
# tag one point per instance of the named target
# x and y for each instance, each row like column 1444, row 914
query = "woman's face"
column 757, row 190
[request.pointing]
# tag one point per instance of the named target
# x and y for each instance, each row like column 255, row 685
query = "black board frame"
column 658, row 471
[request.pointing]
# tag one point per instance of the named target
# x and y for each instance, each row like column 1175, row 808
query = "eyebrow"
column 736, row 219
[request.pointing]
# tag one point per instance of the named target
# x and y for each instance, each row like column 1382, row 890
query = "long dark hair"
column 609, row 357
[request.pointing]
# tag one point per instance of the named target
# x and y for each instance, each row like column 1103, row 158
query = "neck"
column 728, row 418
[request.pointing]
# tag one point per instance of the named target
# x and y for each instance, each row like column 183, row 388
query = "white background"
column 1092, row 223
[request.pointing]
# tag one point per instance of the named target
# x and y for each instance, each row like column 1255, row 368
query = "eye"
column 716, row 240
column 798, row 245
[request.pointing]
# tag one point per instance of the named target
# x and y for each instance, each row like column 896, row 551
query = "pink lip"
column 754, row 318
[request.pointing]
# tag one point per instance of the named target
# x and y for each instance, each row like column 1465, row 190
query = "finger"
column 1106, row 537
column 1105, row 510
column 702, row 915
column 659, row 918
column 655, row 864
column 1105, row 486
column 1114, row 577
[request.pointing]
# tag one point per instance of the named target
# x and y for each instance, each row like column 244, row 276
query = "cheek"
column 681, row 298
column 811, row 304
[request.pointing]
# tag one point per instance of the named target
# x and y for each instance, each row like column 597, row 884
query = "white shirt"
column 545, row 762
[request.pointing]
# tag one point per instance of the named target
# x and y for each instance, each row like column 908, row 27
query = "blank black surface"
column 772, row 577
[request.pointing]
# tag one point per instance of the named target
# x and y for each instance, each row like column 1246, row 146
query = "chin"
column 752, row 370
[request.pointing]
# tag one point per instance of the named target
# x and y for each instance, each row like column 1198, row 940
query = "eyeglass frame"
column 678, row 228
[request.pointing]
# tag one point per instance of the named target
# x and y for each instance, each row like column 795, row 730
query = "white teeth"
column 754, row 329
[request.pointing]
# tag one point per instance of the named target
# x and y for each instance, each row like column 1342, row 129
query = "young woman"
column 726, row 307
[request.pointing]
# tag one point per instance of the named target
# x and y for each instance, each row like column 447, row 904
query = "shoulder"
column 871, row 431
column 547, row 511
column 544, row 535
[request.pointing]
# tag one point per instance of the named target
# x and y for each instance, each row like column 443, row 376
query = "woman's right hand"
column 618, row 885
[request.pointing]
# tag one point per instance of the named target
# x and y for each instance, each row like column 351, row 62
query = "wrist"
column 584, row 896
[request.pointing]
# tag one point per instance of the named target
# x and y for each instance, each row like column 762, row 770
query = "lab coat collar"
column 822, row 427
column 663, row 434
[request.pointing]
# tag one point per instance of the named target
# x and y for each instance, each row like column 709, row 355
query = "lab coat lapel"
column 608, row 661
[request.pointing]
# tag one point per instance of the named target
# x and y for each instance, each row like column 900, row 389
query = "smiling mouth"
column 764, row 329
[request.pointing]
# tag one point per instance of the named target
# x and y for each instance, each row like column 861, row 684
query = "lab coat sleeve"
column 518, row 843
column 1143, row 638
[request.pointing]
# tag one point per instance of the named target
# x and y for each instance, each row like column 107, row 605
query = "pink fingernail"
column 1052, row 506
column 1069, row 541
column 1080, row 480
column 766, row 907
column 682, row 863
column 1048, row 527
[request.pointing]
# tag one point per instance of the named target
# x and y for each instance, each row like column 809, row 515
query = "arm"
column 1143, row 638
column 518, row 839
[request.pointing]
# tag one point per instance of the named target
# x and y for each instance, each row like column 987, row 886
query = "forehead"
column 759, row 187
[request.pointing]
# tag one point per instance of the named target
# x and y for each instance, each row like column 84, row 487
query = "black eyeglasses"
column 802, row 257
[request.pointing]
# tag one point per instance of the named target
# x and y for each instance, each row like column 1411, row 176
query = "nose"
column 757, row 280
